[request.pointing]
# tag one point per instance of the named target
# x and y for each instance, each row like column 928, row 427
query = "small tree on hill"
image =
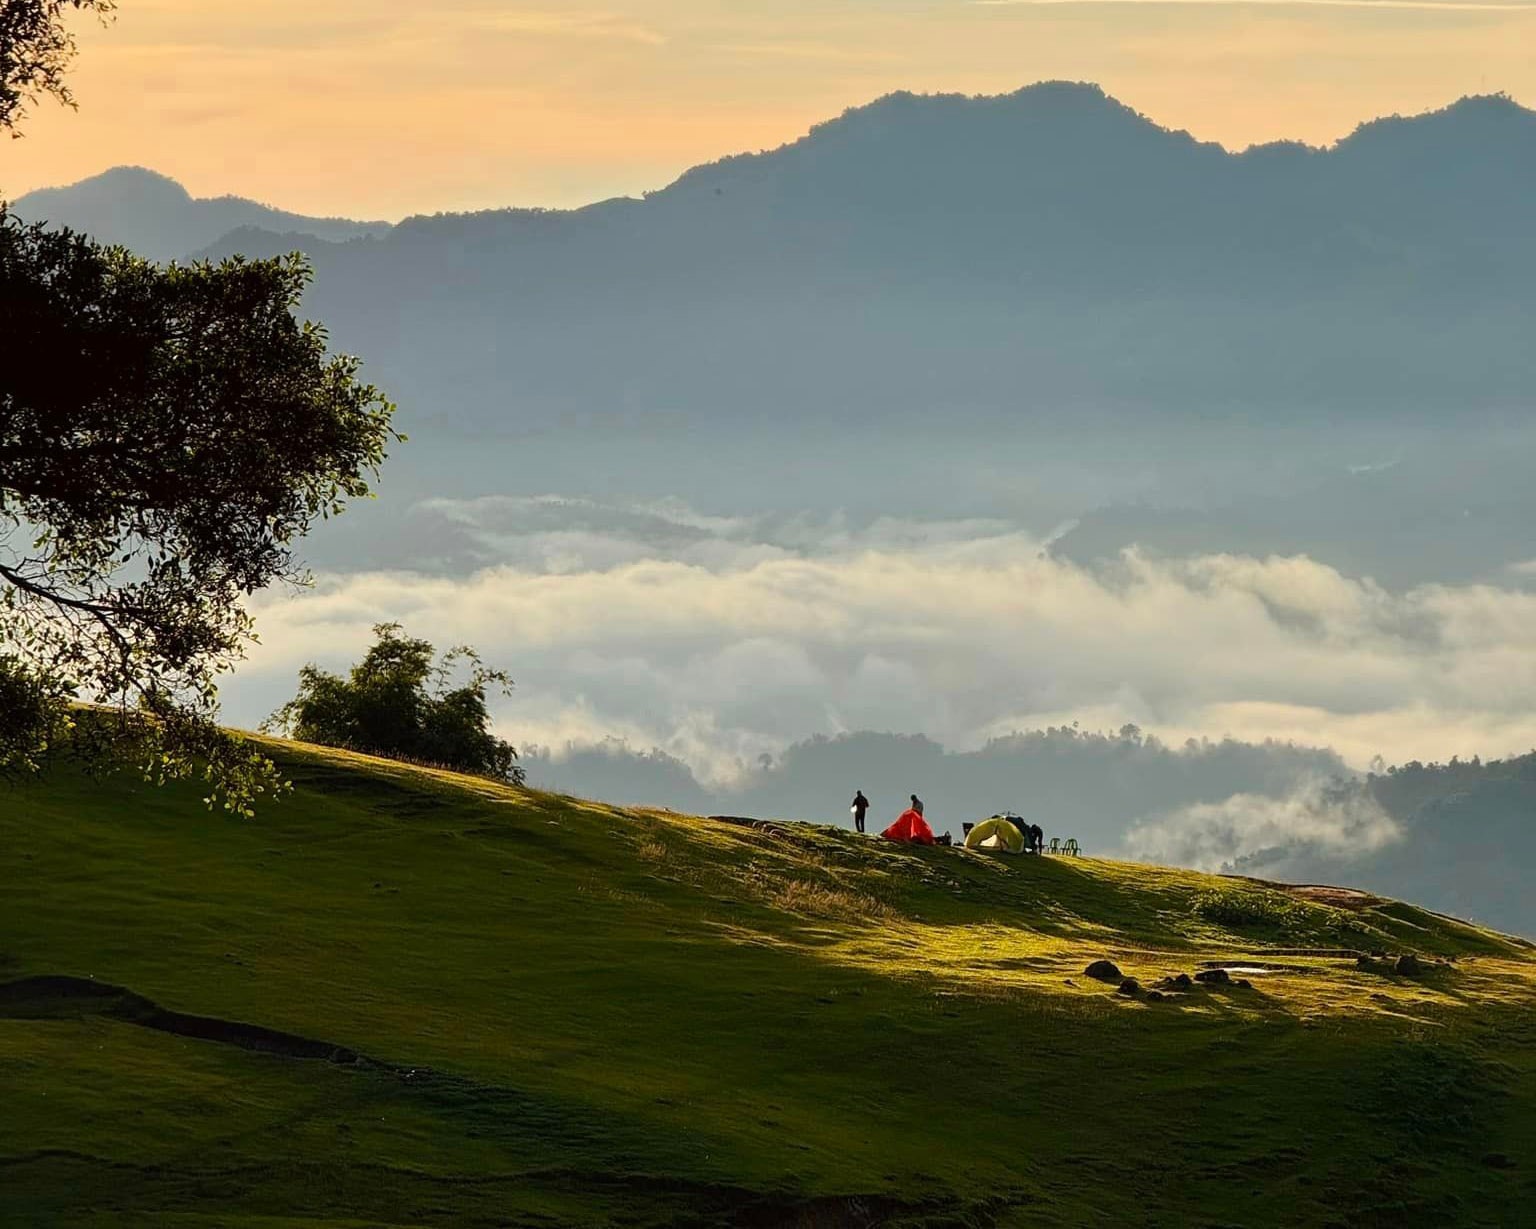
column 396, row 703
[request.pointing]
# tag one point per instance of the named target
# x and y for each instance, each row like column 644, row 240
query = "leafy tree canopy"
column 396, row 703
column 166, row 435
column 35, row 49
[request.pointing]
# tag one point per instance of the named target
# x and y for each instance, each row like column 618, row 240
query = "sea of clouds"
column 720, row 639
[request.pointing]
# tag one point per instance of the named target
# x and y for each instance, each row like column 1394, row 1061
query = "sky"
column 382, row 108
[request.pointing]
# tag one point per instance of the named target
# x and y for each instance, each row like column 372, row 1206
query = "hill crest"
column 401, row 994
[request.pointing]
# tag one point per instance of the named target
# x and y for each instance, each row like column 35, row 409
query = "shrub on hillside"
column 36, row 716
column 397, row 703
column 1247, row 908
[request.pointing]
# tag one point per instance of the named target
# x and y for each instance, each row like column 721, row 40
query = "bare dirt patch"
column 1320, row 893
column 1337, row 898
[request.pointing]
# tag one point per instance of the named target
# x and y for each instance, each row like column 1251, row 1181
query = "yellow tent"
column 997, row 834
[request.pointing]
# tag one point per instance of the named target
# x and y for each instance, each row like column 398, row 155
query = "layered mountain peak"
column 157, row 217
column 119, row 186
column 909, row 141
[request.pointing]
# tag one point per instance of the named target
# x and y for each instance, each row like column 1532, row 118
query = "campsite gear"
column 943, row 839
column 1071, row 847
column 997, row 834
column 1055, row 845
column 911, row 827
column 965, row 830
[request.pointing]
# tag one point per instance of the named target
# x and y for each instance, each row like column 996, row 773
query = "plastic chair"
column 1055, row 845
column 1071, row 847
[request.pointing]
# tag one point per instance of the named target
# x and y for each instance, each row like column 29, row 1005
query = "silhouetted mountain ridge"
column 157, row 217
column 1016, row 185
column 1044, row 258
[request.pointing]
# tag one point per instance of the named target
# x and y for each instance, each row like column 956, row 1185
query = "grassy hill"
column 407, row 998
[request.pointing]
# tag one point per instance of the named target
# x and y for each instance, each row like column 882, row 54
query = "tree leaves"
column 396, row 703
column 166, row 436
column 35, row 49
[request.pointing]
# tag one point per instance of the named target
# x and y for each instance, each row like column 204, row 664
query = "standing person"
column 860, row 805
column 917, row 804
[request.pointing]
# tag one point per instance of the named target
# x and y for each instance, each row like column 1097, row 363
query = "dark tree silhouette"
column 396, row 703
column 166, row 434
column 35, row 49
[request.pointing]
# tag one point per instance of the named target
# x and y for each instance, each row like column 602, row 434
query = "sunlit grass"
column 786, row 1009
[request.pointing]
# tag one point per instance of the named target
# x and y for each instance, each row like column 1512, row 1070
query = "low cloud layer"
column 720, row 639
column 1315, row 821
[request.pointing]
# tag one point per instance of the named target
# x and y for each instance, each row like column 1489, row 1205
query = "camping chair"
column 1055, row 845
column 1071, row 847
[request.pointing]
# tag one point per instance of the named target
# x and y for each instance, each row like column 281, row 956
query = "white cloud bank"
column 718, row 639
column 1314, row 820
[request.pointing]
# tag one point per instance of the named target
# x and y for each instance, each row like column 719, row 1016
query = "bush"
column 396, row 703
column 1246, row 907
column 34, row 716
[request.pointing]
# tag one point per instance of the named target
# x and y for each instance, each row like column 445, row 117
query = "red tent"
column 910, row 826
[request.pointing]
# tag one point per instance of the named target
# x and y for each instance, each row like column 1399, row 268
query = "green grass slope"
column 400, row 997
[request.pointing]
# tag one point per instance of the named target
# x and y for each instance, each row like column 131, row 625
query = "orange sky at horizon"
column 379, row 108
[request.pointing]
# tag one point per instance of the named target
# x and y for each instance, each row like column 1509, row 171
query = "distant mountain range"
column 990, row 253
column 929, row 282
column 1464, row 842
column 1090, row 785
column 156, row 217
